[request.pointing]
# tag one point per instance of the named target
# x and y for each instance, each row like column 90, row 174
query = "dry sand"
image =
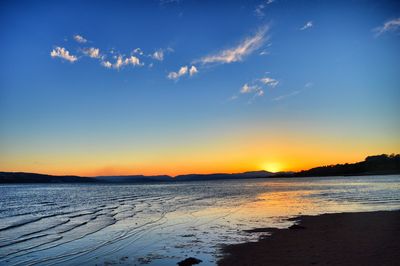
column 371, row 238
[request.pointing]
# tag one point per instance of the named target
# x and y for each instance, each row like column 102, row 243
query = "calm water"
column 161, row 224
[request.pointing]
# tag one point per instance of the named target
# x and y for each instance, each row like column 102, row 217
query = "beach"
column 367, row 238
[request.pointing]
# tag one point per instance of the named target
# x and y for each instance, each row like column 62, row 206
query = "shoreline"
column 363, row 238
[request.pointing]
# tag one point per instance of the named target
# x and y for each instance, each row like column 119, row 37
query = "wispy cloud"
column 106, row 64
column 176, row 75
column 256, row 88
column 259, row 11
column 121, row 62
column 80, row 39
column 193, row 70
column 238, row 53
column 293, row 93
column 308, row 25
column 63, row 53
column 111, row 59
column 269, row 81
column 308, row 85
column 284, row 96
column 133, row 60
column 138, row 51
column 391, row 25
column 158, row 55
column 183, row 71
column 92, row 52
column 246, row 88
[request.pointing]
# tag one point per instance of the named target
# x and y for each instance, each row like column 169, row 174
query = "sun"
column 272, row 167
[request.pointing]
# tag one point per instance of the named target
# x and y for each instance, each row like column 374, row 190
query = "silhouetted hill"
column 377, row 164
column 372, row 165
column 219, row 176
column 134, row 179
column 20, row 177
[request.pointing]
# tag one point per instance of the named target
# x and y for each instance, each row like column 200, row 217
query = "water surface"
column 161, row 224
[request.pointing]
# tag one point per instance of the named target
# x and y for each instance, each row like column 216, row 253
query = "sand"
column 370, row 238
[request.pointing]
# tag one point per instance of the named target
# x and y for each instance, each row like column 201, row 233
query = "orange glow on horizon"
column 242, row 151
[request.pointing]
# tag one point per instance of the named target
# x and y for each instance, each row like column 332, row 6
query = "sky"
column 173, row 87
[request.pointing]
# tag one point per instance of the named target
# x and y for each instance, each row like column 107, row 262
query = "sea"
column 164, row 223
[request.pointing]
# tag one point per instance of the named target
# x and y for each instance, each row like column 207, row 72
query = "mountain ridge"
column 372, row 165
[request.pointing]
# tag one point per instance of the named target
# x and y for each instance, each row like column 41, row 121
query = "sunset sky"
column 172, row 87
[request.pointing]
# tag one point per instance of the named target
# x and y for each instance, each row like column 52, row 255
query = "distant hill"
column 372, row 165
column 219, row 176
column 19, row 177
column 134, row 179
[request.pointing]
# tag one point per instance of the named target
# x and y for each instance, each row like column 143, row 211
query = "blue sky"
column 89, row 86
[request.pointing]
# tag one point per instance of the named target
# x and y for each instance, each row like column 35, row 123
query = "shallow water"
column 161, row 224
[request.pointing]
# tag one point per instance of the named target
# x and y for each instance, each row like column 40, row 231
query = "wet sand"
column 370, row 238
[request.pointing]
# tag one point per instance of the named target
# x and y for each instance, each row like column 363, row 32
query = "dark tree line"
column 377, row 164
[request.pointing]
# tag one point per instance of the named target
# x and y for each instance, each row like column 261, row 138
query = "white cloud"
column 309, row 24
column 239, row 52
column 246, row 88
column 121, row 61
column 260, row 93
column 184, row 70
column 63, row 53
column 293, row 93
column 92, row 52
column 106, row 64
column 269, row 81
column 232, row 98
column 259, row 11
column 257, row 87
column 391, row 25
column 80, row 39
column 158, row 55
column 252, row 89
column 193, row 70
column 133, row 60
column 308, row 84
column 138, row 51
column 175, row 75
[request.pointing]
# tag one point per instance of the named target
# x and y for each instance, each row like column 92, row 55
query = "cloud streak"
column 237, row 53
column 388, row 26
column 61, row 52
column 92, row 52
column 293, row 93
column 121, row 62
column 256, row 88
column 176, row 75
column 79, row 39
column 193, row 70
column 269, row 81
column 158, row 55
column 183, row 71
column 259, row 11
column 282, row 97
column 308, row 25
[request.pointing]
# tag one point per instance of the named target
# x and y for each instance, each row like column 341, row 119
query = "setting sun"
column 272, row 167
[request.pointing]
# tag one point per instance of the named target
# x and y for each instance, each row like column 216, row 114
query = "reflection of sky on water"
column 164, row 223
